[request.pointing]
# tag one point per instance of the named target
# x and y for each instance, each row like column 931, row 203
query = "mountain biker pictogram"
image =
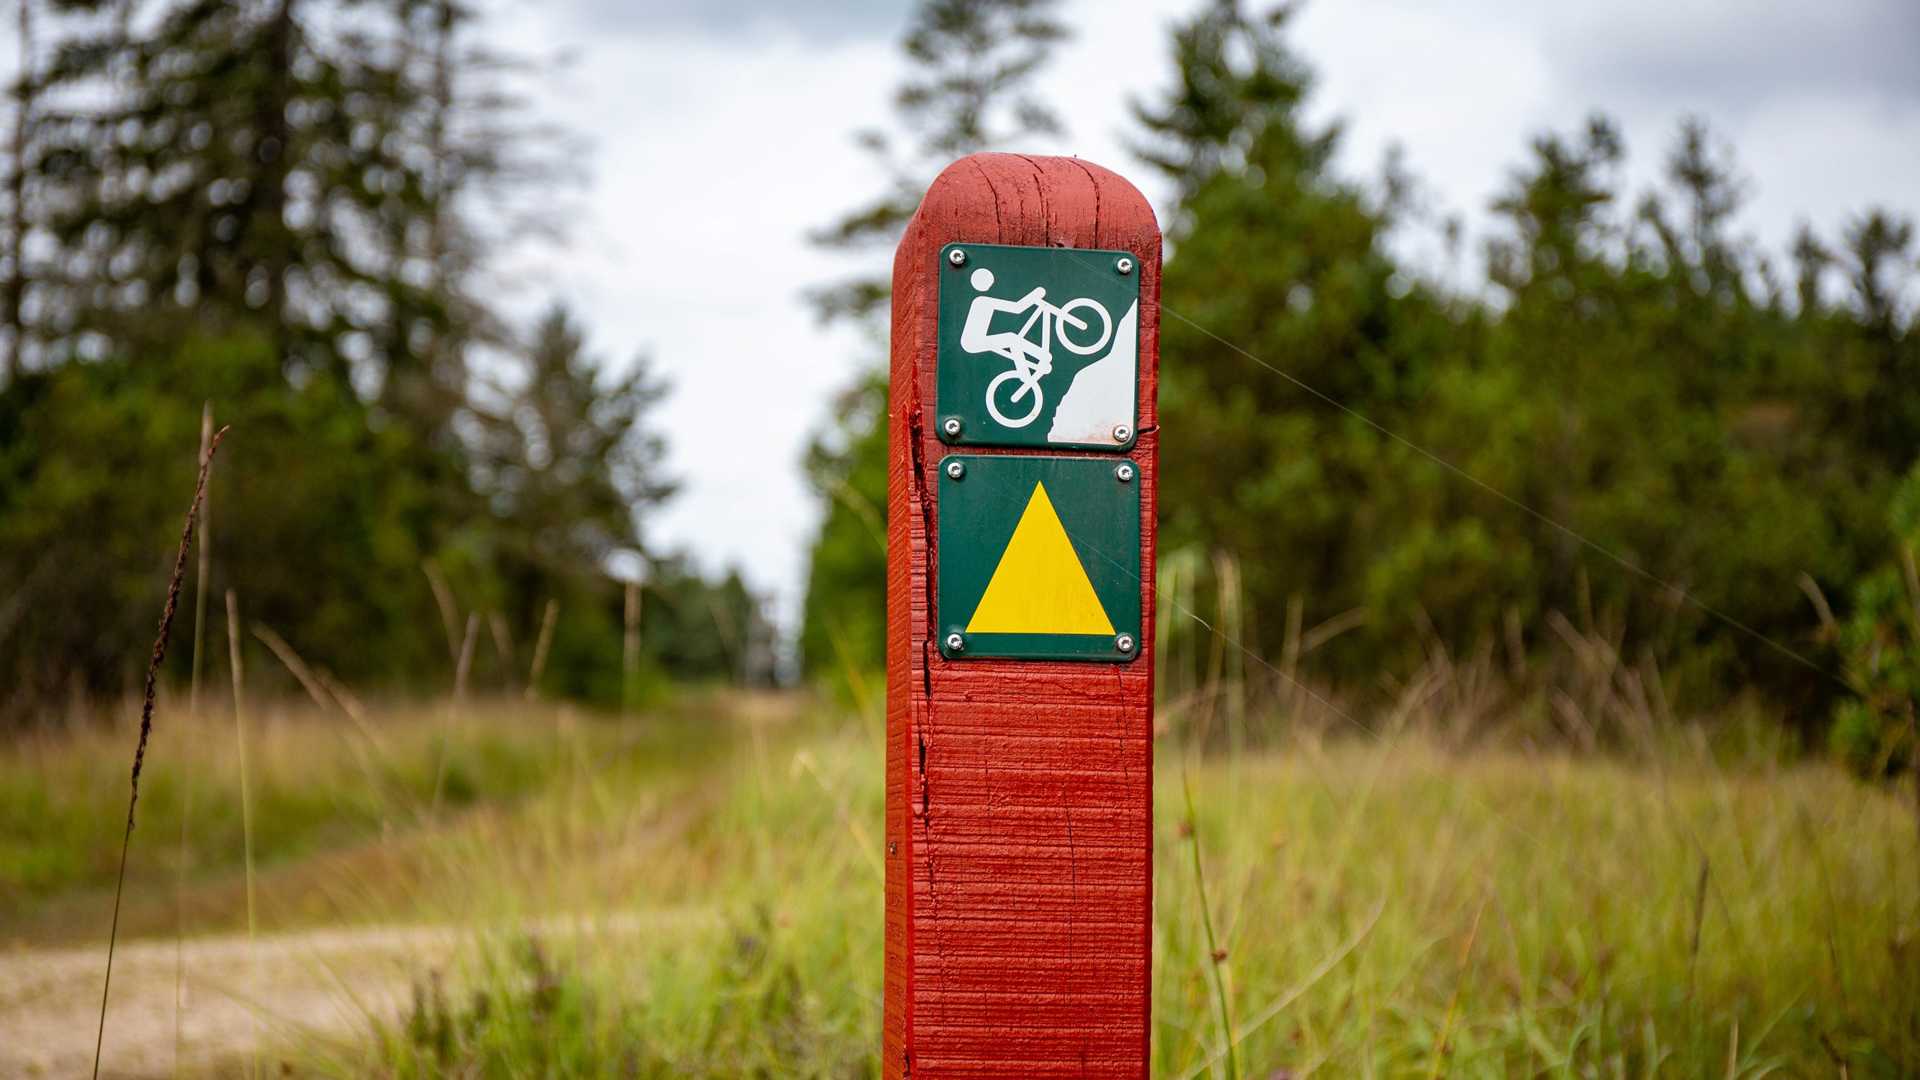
column 1038, row 346
column 1030, row 348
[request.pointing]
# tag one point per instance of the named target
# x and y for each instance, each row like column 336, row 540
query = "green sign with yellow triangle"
column 1039, row 558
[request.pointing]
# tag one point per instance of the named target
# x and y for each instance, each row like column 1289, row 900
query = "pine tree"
column 1235, row 77
column 1882, row 346
column 1879, row 258
column 334, row 177
column 19, row 218
column 570, row 463
column 290, row 166
column 175, row 192
column 455, row 100
column 571, row 468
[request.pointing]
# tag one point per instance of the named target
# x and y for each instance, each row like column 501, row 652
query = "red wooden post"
column 1019, row 792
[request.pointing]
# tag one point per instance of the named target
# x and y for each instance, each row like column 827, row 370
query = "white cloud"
column 735, row 20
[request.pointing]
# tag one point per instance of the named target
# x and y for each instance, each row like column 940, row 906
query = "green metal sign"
column 1039, row 558
column 1039, row 346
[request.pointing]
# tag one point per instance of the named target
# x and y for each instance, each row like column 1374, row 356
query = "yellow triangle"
column 1039, row 586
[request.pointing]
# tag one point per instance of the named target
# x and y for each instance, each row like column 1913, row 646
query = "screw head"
column 951, row 425
column 957, row 257
column 1124, row 643
column 1123, row 264
column 1124, row 473
column 1122, row 432
column 956, row 642
column 955, row 470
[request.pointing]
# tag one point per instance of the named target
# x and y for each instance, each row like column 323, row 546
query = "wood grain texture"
column 1019, row 794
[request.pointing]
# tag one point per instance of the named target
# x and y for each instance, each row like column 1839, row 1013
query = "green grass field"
column 697, row 892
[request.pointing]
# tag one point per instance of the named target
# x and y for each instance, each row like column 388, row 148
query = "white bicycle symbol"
column 1031, row 355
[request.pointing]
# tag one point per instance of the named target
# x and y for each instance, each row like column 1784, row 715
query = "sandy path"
column 234, row 997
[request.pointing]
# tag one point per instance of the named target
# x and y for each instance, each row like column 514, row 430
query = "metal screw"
column 1122, row 264
column 1121, row 433
column 1124, row 473
column 958, row 257
column 1124, row 643
column 955, row 470
column 957, row 643
column 951, row 425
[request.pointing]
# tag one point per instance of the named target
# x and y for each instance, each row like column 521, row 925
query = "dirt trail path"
column 234, row 997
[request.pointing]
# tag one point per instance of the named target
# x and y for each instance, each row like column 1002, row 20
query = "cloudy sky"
column 719, row 134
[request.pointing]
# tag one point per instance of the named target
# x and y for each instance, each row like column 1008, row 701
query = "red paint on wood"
column 1019, row 794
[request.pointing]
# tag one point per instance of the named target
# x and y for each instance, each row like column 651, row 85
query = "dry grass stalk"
column 294, row 665
column 1230, row 602
column 502, row 642
column 200, row 576
column 240, row 745
column 349, row 703
column 1913, row 747
column 540, row 647
column 1699, row 922
column 325, row 691
column 1516, row 643
column 1441, row 1047
column 1829, row 626
column 1352, row 619
column 443, row 599
column 1912, row 573
column 630, row 647
column 463, row 665
column 452, row 710
column 146, row 722
column 1290, row 644
column 1223, row 1001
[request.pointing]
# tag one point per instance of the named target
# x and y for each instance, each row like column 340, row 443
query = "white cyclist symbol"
column 1030, row 348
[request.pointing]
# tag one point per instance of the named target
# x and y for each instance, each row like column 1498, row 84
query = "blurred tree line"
column 291, row 209
column 1640, row 418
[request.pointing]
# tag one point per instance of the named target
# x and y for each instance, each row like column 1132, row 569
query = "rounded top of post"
column 1037, row 200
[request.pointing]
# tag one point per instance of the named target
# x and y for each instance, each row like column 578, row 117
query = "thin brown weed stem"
column 146, row 724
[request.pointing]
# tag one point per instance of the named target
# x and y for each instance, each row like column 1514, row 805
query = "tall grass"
column 723, row 923
column 1390, row 907
column 699, row 894
column 1216, row 956
column 246, row 795
column 316, row 790
column 1538, row 916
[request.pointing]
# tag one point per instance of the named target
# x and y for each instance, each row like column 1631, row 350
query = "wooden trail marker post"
column 1019, row 783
